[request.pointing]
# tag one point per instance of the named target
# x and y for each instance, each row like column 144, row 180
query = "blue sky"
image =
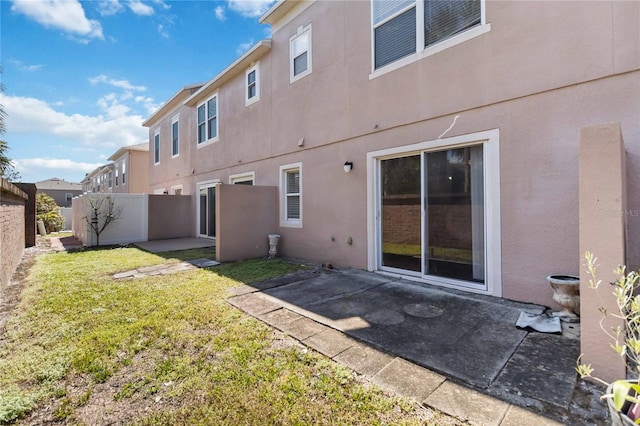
column 82, row 76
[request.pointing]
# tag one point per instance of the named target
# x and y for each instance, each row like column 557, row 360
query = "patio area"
column 458, row 352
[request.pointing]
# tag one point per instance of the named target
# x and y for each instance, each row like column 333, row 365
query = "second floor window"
column 156, row 147
column 300, row 53
column 175, row 145
column 252, row 84
column 124, row 173
column 404, row 27
column 208, row 120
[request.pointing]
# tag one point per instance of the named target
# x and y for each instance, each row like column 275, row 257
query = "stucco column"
column 602, row 208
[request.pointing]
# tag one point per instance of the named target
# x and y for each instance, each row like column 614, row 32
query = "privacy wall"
column 12, row 229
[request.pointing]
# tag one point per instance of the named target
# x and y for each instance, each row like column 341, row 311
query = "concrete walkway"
column 452, row 351
column 174, row 244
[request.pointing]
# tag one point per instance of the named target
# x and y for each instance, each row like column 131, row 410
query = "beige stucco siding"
column 543, row 71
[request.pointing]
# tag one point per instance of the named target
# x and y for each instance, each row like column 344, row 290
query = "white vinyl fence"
column 67, row 215
column 130, row 227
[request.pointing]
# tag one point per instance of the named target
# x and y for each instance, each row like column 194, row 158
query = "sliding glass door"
column 207, row 211
column 432, row 214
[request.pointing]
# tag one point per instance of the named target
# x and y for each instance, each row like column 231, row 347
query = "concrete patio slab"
column 517, row 416
column 465, row 404
column 203, row 262
column 364, row 359
column 329, row 342
column 254, row 304
column 303, row 328
column 408, row 379
column 173, row 244
column 413, row 338
column 280, row 317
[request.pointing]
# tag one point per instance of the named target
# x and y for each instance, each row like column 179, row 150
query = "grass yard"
column 82, row 348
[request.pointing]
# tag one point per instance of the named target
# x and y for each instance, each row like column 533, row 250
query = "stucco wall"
column 245, row 216
column 12, row 229
column 138, row 172
column 171, row 216
column 537, row 77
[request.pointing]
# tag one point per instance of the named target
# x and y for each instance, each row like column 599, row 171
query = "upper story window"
column 110, row 179
column 300, row 53
column 124, row 173
column 208, row 120
column 404, row 27
column 68, row 196
column 156, row 147
column 252, row 80
column 175, row 143
column 116, row 175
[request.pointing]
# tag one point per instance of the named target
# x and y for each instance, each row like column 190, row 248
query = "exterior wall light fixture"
column 348, row 165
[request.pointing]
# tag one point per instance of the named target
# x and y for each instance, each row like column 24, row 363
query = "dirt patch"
column 11, row 295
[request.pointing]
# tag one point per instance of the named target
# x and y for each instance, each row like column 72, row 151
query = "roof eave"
column 253, row 54
column 174, row 101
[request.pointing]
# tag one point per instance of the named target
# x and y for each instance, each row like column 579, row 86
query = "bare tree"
column 103, row 213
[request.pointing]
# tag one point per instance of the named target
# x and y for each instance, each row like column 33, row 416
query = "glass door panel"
column 207, row 208
column 454, row 204
column 401, row 216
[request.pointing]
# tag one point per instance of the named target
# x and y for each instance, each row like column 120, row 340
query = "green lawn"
column 83, row 348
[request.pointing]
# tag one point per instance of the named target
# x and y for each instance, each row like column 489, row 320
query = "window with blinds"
column 300, row 53
column 404, row 27
column 291, row 195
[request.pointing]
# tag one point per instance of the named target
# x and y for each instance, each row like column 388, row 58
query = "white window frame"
column 156, row 141
column 493, row 247
column 116, row 174
column 255, row 98
column 124, row 171
column 175, row 121
column 110, row 181
column 68, row 196
column 282, row 188
column 243, row 177
column 300, row 32
column 421, row 51
column 209, row 140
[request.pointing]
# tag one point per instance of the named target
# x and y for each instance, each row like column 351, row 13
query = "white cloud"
column 38, row 119
column 250, row 8
column 110, row 7
column 122, row 84
column 24, row 67
column 27, row 165
column 140, row 8
column 65, row 15
column 219, row 12
column 163, row 31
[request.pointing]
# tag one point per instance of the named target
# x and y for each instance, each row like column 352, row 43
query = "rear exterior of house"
column 60, row 190
column 461, row 120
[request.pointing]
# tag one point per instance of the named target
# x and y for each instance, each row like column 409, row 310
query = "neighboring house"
column 459, row 124
column 97, row 180
column 127, row 173
column 130, row 169
column 60, row 190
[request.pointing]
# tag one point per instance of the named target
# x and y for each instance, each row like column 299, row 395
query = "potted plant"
column 622, row 395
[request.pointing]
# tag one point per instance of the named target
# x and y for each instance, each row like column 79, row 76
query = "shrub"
column 48, row 211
